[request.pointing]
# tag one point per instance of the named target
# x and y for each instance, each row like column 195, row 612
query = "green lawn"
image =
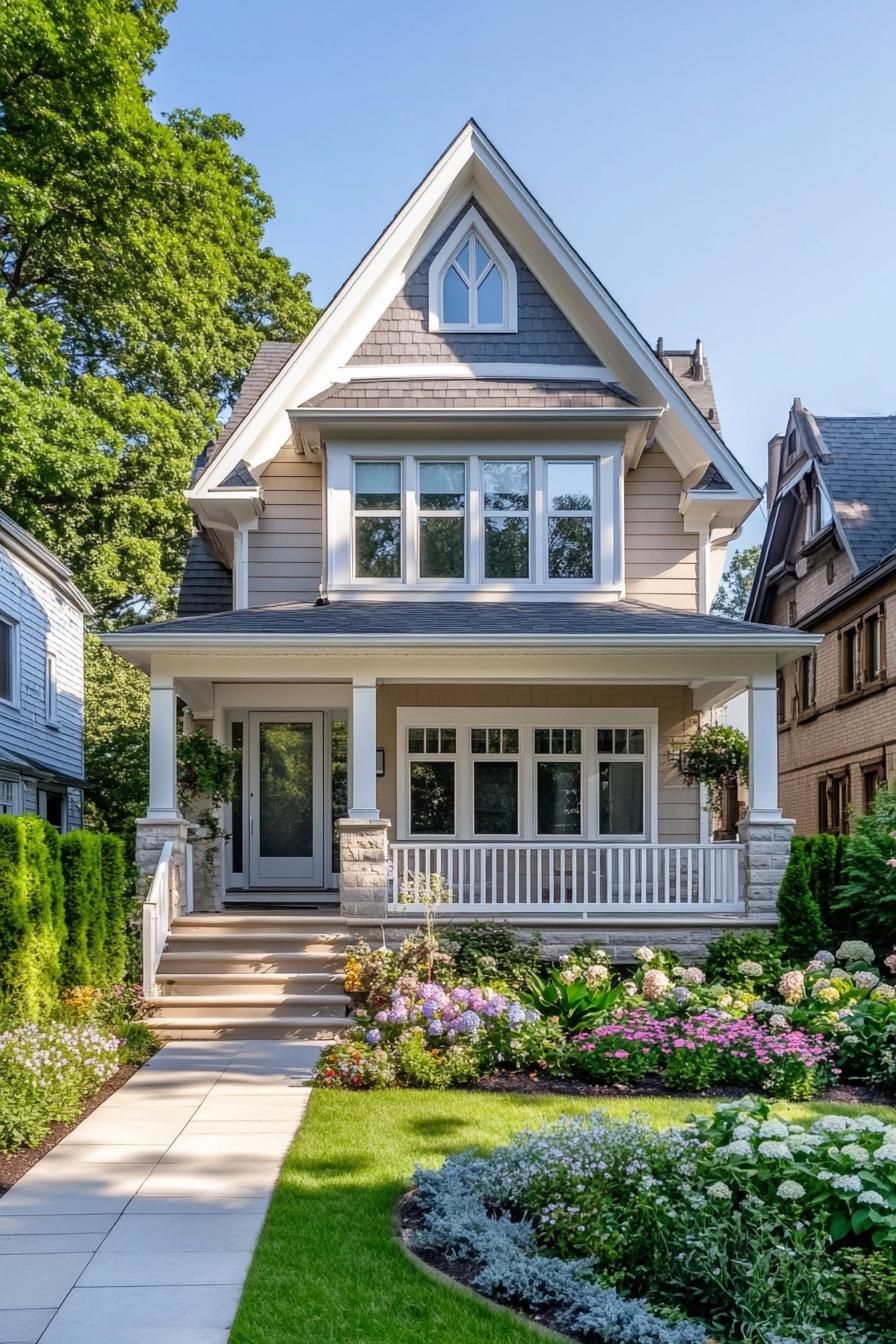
column 327, row 1269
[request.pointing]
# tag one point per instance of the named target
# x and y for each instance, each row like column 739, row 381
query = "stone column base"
column 152, row 835
column 364, row 867
column 765, row 855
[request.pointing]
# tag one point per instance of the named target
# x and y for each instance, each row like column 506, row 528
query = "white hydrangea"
column 774, row 1148
column 854, row 950
column 644, row 954
column 791, row 1190
column 737, row 1148
column 776, row 1020
column 856, row 1153
column 744, row 1131
column 693, row 975
column 871, row 1197
column 773, row 1129
column 750, row 969
column 869, row 1124
column 850, row 1184
column 886, row 1153
column 719, row 1190
column 834, row 1124
column 866, row 979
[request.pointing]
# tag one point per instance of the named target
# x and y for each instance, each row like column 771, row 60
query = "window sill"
column 862, row 692
column 808, row 715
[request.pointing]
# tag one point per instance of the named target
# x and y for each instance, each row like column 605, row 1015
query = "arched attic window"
column 472, row 281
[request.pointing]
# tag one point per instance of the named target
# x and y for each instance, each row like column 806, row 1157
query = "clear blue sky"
column 726, row 168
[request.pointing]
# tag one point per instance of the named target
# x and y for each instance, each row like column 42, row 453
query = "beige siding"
column 286, row 553
column 660, row 557
column 679, row 806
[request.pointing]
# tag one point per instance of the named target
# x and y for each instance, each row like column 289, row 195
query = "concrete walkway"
column 139, row 1227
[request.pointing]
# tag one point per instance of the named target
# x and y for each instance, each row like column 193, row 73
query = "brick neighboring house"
column 828, row 566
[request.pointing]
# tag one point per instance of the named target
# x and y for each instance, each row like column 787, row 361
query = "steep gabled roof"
column 271, row 358
column 859, row 470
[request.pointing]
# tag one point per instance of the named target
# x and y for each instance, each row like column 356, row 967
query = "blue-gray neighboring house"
column 41, row 681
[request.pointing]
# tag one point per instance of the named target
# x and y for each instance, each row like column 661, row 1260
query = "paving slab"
column 140, row 1226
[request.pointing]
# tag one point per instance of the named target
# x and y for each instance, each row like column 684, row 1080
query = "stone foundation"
column 363, row 868
column 152, row 835
column 764, row 857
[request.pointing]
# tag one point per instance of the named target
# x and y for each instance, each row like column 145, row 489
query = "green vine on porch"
column 715, row 756
column 206, row 770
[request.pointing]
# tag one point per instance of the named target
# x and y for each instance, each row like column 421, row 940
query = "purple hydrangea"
column 374, row 1036
column 469, row 1021
column 435, row 1028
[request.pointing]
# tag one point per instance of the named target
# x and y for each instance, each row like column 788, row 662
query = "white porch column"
column 763, row 705
column 162, row 749
column 362, row 798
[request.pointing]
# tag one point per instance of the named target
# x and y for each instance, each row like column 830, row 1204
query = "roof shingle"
column 860, row 473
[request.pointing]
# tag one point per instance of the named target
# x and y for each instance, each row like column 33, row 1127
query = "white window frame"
column 12, row 701
column 462, row 719
column 593, row 514
column 462, row 513
column 51, row 689
column 15, row 794
column 608, row 545
column 398, row 513
column 470, row 224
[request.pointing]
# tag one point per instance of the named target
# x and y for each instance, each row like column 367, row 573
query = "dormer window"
column 472, row 281
column 818, row 511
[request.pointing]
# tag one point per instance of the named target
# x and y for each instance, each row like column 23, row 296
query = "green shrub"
column 575, row 1004
column 867, row 896
column 137, row 1043
column 821, row 856
column 13, row 909
column 725, row 954
column 41, row 949
column 801, row 931
column 84, row 950
column 421, row 1066
column 491, row 952
column 114, row 881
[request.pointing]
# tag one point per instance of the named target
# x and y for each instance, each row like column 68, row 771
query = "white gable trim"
column 580, row 373
column 471, row 165
column 472, row 222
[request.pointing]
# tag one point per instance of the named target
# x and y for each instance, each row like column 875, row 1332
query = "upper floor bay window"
column 472, row 280
column 477, row 522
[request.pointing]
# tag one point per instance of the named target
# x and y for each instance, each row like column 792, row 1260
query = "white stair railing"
column 164, row 901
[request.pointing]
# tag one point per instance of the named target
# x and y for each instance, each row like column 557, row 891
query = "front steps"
column 252, row 975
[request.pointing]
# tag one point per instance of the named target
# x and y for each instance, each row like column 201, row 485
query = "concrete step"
column 249, row 920
column 255, row 942
column 179, row 984
column 329, row 1009
column 258, row 962
column 182, row 1027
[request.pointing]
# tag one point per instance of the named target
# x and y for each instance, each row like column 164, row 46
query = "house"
column 828, row 566
column 41, row 681
column 449, row 594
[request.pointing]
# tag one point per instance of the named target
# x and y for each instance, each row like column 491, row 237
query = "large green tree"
column 734, row 590
column 135, row 287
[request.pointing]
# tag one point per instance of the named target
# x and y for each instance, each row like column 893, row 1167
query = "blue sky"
column 727, row 169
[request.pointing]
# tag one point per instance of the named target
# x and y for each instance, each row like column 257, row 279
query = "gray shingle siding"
column 402, row 393
column 271, row 358
column 402, row 334
column 207, row 585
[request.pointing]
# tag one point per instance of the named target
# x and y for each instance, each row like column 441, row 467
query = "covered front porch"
column 501, row 781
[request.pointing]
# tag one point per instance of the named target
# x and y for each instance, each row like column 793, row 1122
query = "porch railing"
column 568, row 878
column 164, row 901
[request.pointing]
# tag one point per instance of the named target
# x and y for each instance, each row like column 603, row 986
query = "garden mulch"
column 536, row 1083
column 15, row 1164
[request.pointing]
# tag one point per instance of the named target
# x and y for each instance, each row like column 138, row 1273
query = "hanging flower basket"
column 716, row 757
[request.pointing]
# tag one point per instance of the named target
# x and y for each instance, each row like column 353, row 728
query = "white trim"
column 12, row 701
column 51, row 689
column 472, row 224
column 15, row 800
column 471, row 165
column 517, row 369
column 588, row 720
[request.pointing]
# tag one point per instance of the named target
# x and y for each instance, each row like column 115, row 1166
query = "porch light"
column 380, row 762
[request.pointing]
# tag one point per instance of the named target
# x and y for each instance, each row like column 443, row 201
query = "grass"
column 328, row 1270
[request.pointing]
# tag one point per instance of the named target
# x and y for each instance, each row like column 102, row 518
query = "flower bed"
column 738, row 1226
column 46, row 1073
column 742, row 1022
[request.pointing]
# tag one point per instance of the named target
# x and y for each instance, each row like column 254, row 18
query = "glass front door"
column 286, row 814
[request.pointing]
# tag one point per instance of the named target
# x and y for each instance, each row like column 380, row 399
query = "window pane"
column 620, row 741
column 505, row 486
column 570, row 486
column 377, row 485
column 5, row 661
column 432, row 739
column 621, row 798
column 542, row 741
column 432, row 797
column 416, row 740
column 462, row 260
column 510, row 741
column 441, row 548
column 286, row 790
column 494, row 741
column 507, row 548
column 574, row 740
column 557, row 741
column 455, row 298
column 448, row 739
column 236, row 802
column 495, row 798
column 490, row 298
column 636, row 741
column 570, row 548
column 559, row 803
column 477, row 741
column 483, row 259
column 442, row 485
column 605, row 740
column 378, row 548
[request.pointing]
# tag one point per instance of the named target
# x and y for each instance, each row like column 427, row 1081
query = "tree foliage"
column 116, row 740
column 734, row 590
column 867, row 896
column 135, row 287
column 801, row 930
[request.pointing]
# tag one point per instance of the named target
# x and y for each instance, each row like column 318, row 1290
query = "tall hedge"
column 84, row 950
column 30, row 885
column 801, row 931
column 114, row 877
column 13, row 910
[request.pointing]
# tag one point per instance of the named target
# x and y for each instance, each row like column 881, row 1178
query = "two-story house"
column 449, row 594
column 828, row 566
column 41, row 681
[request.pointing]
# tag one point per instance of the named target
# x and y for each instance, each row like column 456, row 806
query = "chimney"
column 775, row 449
column 698, row 368
column 661, row 350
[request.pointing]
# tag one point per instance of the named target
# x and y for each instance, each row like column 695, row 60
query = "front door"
column 286, row 812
